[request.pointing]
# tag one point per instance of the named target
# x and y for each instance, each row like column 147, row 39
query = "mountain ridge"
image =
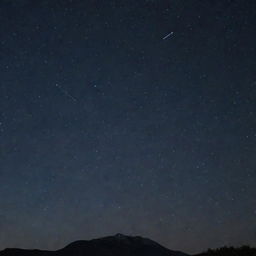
column 123, row 245
column 116, row 245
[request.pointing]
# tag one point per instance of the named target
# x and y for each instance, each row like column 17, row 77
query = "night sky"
column 134, row 117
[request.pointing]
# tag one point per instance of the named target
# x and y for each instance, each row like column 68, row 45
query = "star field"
column 134, row 117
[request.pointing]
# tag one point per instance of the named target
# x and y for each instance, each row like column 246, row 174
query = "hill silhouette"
column 122, row 245
column 118, row 245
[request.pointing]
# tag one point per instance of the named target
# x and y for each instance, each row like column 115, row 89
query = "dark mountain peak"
column 115, row 245
column 129, row 240
column 120, row 236
column 119, row 244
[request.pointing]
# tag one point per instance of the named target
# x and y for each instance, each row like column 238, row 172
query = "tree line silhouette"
column 230, row 251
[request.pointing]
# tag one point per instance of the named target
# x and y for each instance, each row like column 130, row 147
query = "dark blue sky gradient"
column 108, row 128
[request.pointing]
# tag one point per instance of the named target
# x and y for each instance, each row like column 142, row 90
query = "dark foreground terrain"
column 118, row 245
column 121, row 245
column 230, row 251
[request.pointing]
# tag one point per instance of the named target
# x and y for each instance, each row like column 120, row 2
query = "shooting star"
column 65, row 92
column 168, row 35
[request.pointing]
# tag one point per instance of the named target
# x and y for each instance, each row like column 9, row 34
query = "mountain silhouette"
column 118, row 245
